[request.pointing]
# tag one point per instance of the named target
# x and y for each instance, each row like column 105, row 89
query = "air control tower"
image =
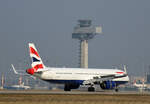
column 84, row 31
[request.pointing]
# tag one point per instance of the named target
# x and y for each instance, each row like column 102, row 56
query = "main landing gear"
column 116, row 89
column 67, row 87
column 91, row 89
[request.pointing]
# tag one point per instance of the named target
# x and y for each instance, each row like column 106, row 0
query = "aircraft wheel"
column 116, row 89
column 91, row 89
column 67, row 88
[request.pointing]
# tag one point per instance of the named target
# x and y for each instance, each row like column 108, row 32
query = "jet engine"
column 108, row 84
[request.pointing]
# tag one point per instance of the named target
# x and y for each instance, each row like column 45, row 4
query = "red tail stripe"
column 34, row 52
column 38, row 66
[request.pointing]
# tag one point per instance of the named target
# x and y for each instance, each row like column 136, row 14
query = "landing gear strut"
column 116, row 88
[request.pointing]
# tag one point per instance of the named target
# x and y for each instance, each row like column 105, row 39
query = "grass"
column 73, row 99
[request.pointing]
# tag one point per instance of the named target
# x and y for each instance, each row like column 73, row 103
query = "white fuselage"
column 60, row 75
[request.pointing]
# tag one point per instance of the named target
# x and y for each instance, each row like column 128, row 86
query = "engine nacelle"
column 108, row 85
column 30, row 71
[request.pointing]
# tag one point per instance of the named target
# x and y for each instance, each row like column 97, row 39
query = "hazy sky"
column 49, row 24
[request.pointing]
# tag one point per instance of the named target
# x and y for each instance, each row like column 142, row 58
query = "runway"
column 49, row 92
column 73, row 97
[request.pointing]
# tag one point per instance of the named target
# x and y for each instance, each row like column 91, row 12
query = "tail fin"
column 36, row 60
column 125, row 68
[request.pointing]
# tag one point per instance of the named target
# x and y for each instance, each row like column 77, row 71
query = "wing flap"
column 103, row 78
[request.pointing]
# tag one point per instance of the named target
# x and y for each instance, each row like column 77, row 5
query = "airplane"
column 141, row 86
column 72, row 78
column 19, row 87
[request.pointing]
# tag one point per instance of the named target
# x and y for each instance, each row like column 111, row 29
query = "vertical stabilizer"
column 125, row 68
column 36, row 59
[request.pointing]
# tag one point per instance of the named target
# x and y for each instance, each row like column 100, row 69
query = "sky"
column 49, row 24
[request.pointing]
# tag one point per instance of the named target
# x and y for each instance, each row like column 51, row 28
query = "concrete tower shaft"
column 84, row 54
column 2, row 82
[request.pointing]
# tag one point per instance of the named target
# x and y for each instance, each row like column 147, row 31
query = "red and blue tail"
column 36, row 60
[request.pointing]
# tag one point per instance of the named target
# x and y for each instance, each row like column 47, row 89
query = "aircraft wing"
column 103, row 78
